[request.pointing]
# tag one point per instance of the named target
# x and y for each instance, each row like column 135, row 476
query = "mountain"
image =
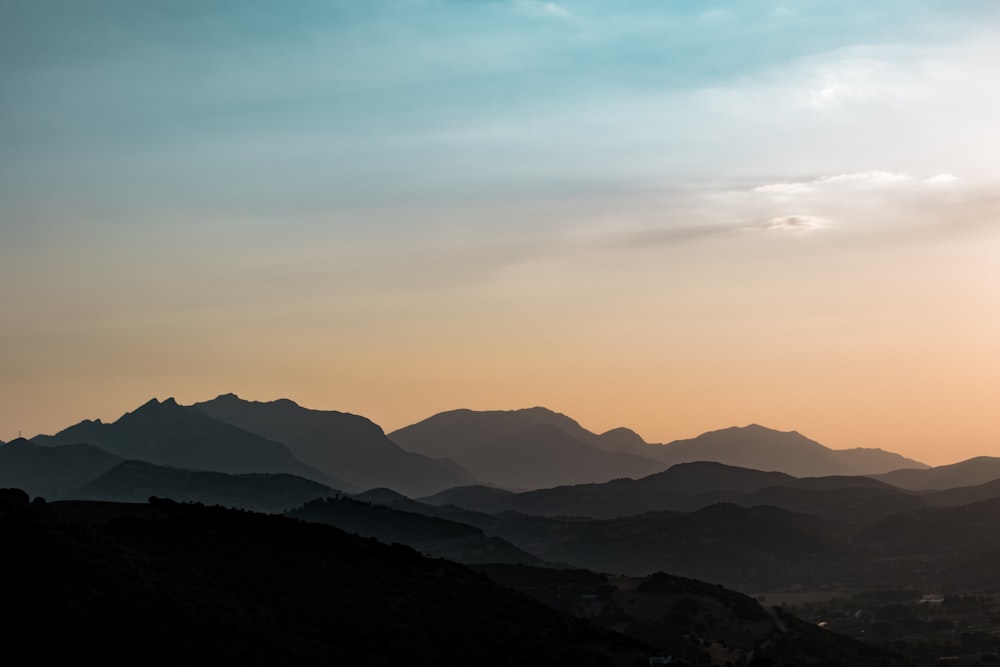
column 169, row 584
column 526, row 449
column 433, row 536
column 486, row 442
column 51, row 471
column 343, row 445
column 136, row 481
column 762, row 448
column 687, row 487
column 184, row 437
column 972, row 472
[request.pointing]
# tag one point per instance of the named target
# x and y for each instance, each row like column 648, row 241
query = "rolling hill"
column 971, row 472
column 51, row 471
column 136, row 481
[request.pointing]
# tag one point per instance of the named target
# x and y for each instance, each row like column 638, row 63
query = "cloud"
column 941, row 178
column 784, row 188
column 874, row 176
column 796, row 223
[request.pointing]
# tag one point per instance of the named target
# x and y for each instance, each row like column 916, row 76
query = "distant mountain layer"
column 489, row 443
column 687, row 487
column 790, row 452
column 342, row 445
column 526, row 449
column 972, row 472
column 137, row 481
column 184, row 437
column 51, row 471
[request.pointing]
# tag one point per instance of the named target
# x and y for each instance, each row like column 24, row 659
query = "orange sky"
column 664, row 216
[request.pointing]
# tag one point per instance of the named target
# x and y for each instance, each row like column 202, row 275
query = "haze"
column 668, row 216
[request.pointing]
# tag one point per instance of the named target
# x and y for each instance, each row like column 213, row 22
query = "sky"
column 675, row 216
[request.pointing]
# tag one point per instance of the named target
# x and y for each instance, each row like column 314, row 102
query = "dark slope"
column 762, row 448
column 50, row 471
column 136, row 481
column 972, row 472
column 748, row 549
column 533, row 448
column 173, row 584
column 343, row 445
column 690, row 486
column 965, row 495
column 431, row 535
column 479, row 498
column 702, row 623
column 182, row 437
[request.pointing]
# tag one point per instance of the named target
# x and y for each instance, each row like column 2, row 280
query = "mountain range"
column 341, row 445
column 538, row 448
column 173, row 435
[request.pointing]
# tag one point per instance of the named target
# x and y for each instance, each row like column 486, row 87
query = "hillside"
column 710, row 624
column 136, row 481
column 971, row 472
column 687, row 487
column 434, row 536
column 169, row 584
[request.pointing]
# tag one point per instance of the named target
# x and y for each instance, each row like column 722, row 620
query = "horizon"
column 388, row 430
column 669, row 217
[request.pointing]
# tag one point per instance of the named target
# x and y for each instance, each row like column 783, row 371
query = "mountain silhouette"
column 687, row 487
column 136, row 481
column 51, row 471
column 762, row 448
column 169, row 434
column 347, row 446
column 526, row 449
column 971, row 472
column 481, row 440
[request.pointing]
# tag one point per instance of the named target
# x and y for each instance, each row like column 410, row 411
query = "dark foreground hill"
column 170, row 584
column 705, row 623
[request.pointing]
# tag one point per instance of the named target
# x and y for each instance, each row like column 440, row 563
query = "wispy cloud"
column 796, row 223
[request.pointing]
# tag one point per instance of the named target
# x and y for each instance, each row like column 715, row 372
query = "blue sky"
column 432, row 179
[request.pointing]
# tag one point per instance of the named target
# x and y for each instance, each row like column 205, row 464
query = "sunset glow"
column 674, row 217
